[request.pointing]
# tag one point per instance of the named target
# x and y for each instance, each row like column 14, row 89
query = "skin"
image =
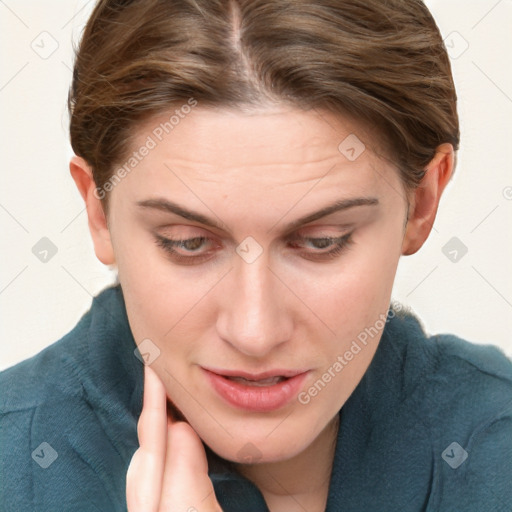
column 254, row 172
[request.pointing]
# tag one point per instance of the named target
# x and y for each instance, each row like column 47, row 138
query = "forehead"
column 272, row 135
column 283, row 149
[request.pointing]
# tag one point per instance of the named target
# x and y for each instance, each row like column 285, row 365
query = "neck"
column 306, row 475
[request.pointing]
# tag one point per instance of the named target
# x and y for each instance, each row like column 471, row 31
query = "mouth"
column 270, row 381
column 261, row 392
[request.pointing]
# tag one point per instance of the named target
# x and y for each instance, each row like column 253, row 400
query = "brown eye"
column 188, row 245
column 187, row 251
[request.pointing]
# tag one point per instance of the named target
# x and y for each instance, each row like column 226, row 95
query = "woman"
column 255, row 170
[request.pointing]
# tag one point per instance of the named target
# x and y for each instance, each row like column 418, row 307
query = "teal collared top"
column 428, row 428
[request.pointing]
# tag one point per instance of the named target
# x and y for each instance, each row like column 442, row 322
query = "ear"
column 425, row 199
column 82, row 174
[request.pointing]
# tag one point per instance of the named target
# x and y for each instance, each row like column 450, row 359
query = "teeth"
column 263, row 382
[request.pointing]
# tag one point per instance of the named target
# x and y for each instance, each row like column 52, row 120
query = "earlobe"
column 426, row 199
column 82, row 175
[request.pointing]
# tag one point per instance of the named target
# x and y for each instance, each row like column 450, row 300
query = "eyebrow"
column 170, row 207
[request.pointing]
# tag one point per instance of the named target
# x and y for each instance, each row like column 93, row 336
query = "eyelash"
column 340, row 245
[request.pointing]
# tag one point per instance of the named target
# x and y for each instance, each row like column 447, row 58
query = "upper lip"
column 256, row 376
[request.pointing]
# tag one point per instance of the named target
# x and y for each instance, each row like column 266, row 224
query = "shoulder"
column 462, row 394
column 446, row 363
column 57, row 371
column 49, row 374
column 444, row 374
column 446, row 370
column 59, row 454
column 474, row 392
column 448, row 382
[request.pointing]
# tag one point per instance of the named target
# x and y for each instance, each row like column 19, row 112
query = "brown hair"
column 381, row 62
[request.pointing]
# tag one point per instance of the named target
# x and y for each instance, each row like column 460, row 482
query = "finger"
column 186, row 484
column 145, row 472
column 152, row 425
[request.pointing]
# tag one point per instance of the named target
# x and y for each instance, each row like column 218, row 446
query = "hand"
column 169, row 470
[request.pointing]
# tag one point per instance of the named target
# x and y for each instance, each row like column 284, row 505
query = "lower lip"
column 256, row 398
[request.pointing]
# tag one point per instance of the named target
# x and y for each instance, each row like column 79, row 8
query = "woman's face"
column 257, row 289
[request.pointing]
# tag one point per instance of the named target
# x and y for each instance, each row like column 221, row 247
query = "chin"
column 263, row 446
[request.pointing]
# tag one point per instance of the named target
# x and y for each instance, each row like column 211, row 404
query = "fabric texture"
column 428, row 428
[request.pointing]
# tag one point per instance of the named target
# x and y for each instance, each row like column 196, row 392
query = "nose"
column 253, row 315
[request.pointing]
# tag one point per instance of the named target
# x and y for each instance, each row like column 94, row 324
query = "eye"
column 192, row 251
column 335, row 246
column 187, row 251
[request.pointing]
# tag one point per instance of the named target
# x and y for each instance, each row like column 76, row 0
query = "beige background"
column 40, row 302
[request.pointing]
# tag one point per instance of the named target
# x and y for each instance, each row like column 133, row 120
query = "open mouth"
column 258, row 393
column 270, row 381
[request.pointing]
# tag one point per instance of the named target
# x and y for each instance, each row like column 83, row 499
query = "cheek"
column 358, row 290
column 354, row 303
column 165, row 304
column 152, row 295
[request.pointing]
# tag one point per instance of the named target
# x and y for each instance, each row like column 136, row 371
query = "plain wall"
column 41, row 301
